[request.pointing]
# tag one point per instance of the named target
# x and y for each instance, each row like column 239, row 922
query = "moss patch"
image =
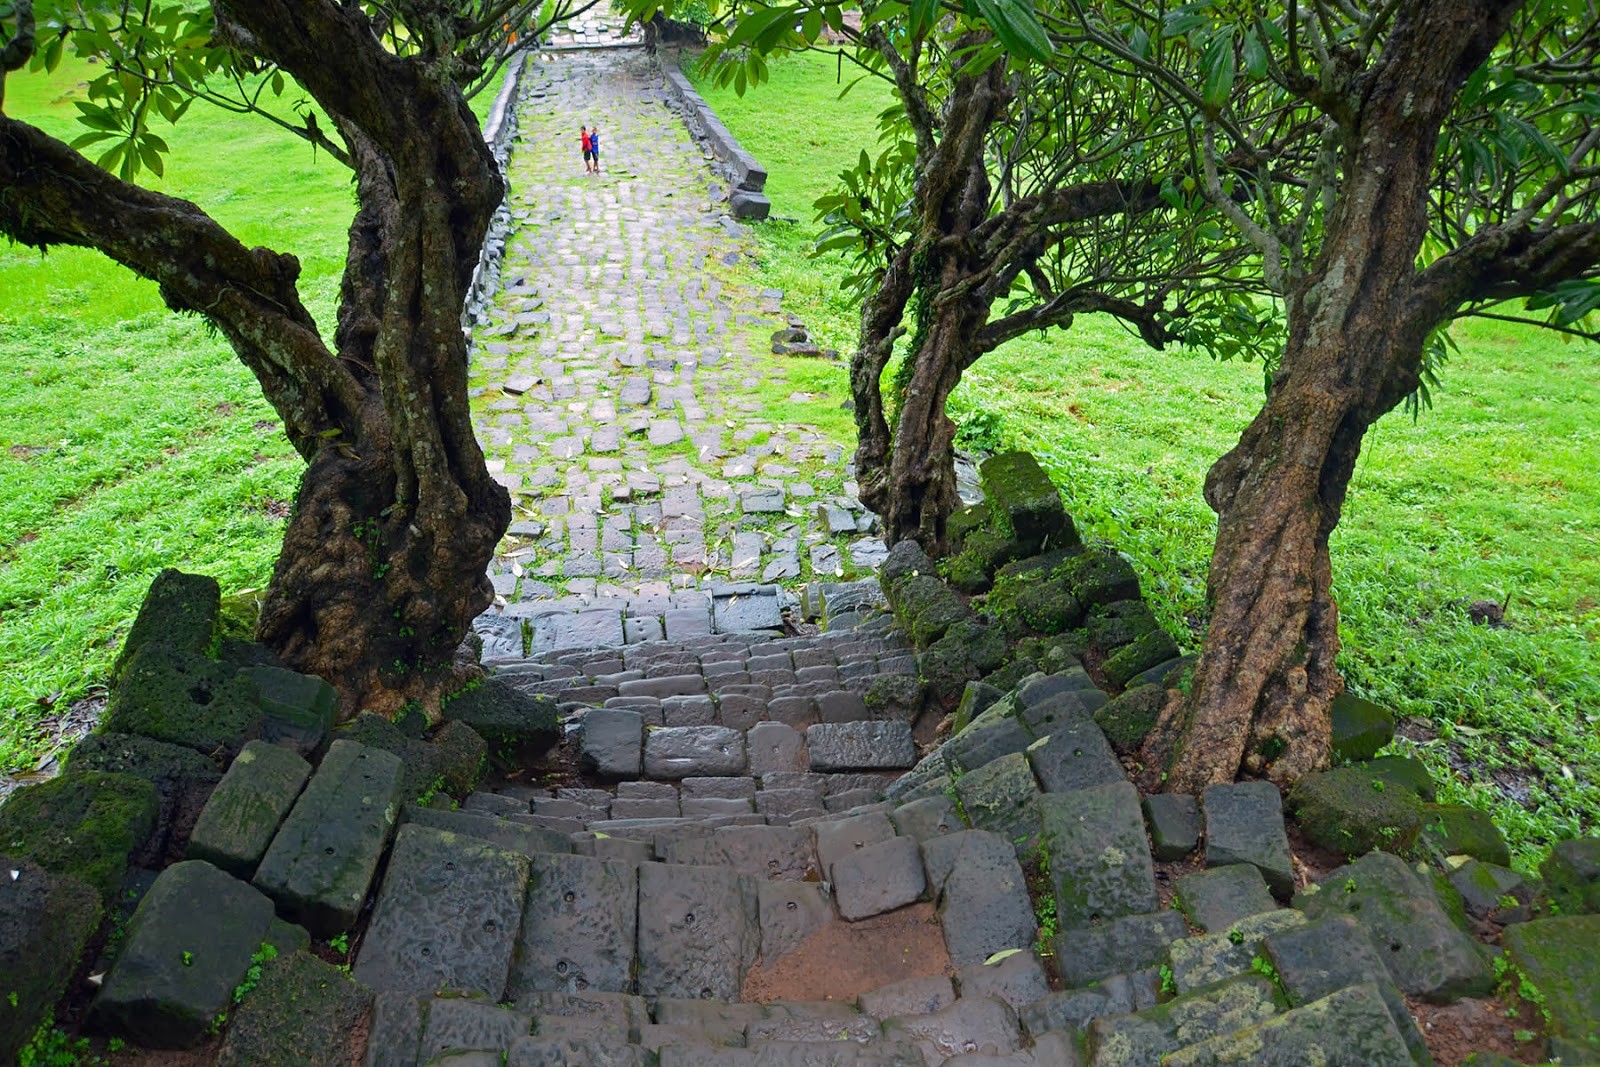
column 83, row 824
column 1459, row 830
column 298, row 1004
column 1352, row 812
column 1128, row 719
column 181, row 610
column 171, row 695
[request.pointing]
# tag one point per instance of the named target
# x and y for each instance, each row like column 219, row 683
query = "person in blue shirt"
column 594, row 146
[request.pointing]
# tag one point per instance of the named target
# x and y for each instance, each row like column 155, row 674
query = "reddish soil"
column 843, row 960
column 1456, row 1031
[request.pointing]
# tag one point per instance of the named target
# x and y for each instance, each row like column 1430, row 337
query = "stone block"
column 1016, row 977
column 179, row 610
column 45, row 921
column 675, row 752
column 1244, row 824
column 1349, row 811
column 774, row 746
column 579, row 925
column 699, row 931
column 859, row 746
column 1089, row 954
column 734, row 609
column 1427, row 956
column 1076, row 756
column 612, row 743
column 1198, row 962
column 501, row 833
column 1024, row 503
column 1139, row 655
column 1322, row 957
column 505, row 717
column 1557, row 958
column 247, row 807
column 965, row 1026
column 81, row 824
column 188, row 946
column 436, row 928
column 183, row 699
column 1216, row 899
column 1174, row 820
column 791, row 912
column 1128, row 719
column 1099, row 861
column 1001, row 797
column 910, row 996
column 1461, row 830
column 1571, row 875
column 299, row 1004
column 300, row 708
column 878, row 878
column 1350, row 1028
column 981, row 894
column 183, row 778
column 1360, row 728
column 470, row 1026
column 1147, row 1036
column 321, row 862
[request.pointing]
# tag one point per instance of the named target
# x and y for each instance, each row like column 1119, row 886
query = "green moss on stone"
column 1560, row 973
column 1149, row 650
column 1128, row 719
column 83, row 824
column 299, row 1005
column 180, row 610
column 964, row 522
column 1110, row 626
column 1024, row 502
column 464, row 757
column 1403, row 772
column 926, row 608
column 1049, row 606
column 506, row 717
column 1572, row 877
column 1012, row 674
column 185, row 699
column 1459, row 830
column 1360, row 728
column 1352, row 812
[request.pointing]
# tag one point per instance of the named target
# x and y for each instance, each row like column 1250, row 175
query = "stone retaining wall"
column 746, row 177
column 499, row 130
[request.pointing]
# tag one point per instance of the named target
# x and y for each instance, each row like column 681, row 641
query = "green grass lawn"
column 1492, row 495
column 132, row 439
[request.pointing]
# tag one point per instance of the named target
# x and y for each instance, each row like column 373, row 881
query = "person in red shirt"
column 588, row 149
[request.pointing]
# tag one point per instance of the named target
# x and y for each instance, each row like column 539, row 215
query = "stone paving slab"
column 699, row 931
column 578, row 927
column 446, row 917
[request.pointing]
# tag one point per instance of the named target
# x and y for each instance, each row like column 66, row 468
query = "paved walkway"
column 627, row 395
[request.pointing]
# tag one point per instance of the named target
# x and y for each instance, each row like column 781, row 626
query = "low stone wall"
column 746, row 177
column 499, row 130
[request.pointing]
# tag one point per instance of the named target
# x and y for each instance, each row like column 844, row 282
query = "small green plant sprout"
column 1169, row 983
column 188, row 958
column 252, row 977
column 11, row 998
column 1263, row 966
column 1377, row 783
column 1236, row 937
column 1349, row 885
column 340, row 943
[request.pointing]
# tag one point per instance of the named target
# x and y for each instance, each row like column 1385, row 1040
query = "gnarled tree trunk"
column 384, row 561
column 1260, row 694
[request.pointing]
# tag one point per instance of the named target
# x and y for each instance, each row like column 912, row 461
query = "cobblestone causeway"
column 616, row 380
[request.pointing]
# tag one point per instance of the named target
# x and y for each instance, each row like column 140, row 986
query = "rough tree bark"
column 384, row 560
column 1260, row 694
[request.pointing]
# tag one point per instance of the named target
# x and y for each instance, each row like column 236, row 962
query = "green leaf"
column 1016, row 26
column 1220, row 69
column 812, row 27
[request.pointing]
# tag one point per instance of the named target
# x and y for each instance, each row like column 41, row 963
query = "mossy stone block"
column 424, row 763
column 926, row 608
column 1460, row 830
column 45, row 919
column 183, row 777
column 1009, row 676
column 1116, row 624
column 1360, row 728
column 188, row 947
column 300, row 1007
column 1099, row 861
column 322, row 860
column 1350, row 1026
column 300, row 708
column 1128, row 719
column 1352, row 812
column 247, row 808
column 895, row 697
column 966, row 572
column 1426, row 954
column 1174, row 820
column 1024, row 501
column 1137, row 656
column 1000, row 797
column 83, row 824
column 1561, row 971
column 185, row 699
column 1049, row 606
column 180, row 610
column 1404, row 772
column 1571, row 876
column 906, row 559
column 1487, row 889
column 1101, row 576
column 464, row 756
column 506, row 717
column 976, row 698
column 963, row 522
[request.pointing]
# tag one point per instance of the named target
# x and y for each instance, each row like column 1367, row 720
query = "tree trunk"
column 1259, row 697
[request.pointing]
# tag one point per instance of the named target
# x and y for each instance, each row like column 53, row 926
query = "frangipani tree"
column 384, row 558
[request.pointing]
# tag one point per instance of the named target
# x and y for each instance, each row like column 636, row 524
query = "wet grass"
column 1492, row 495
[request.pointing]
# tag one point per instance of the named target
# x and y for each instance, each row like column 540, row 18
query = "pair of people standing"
column 589, row 140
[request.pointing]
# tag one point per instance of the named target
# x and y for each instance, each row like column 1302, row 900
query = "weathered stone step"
column 1144, row 1037
column 1349, row 1028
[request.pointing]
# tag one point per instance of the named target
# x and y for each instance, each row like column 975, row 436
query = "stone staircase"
column 686, row 907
